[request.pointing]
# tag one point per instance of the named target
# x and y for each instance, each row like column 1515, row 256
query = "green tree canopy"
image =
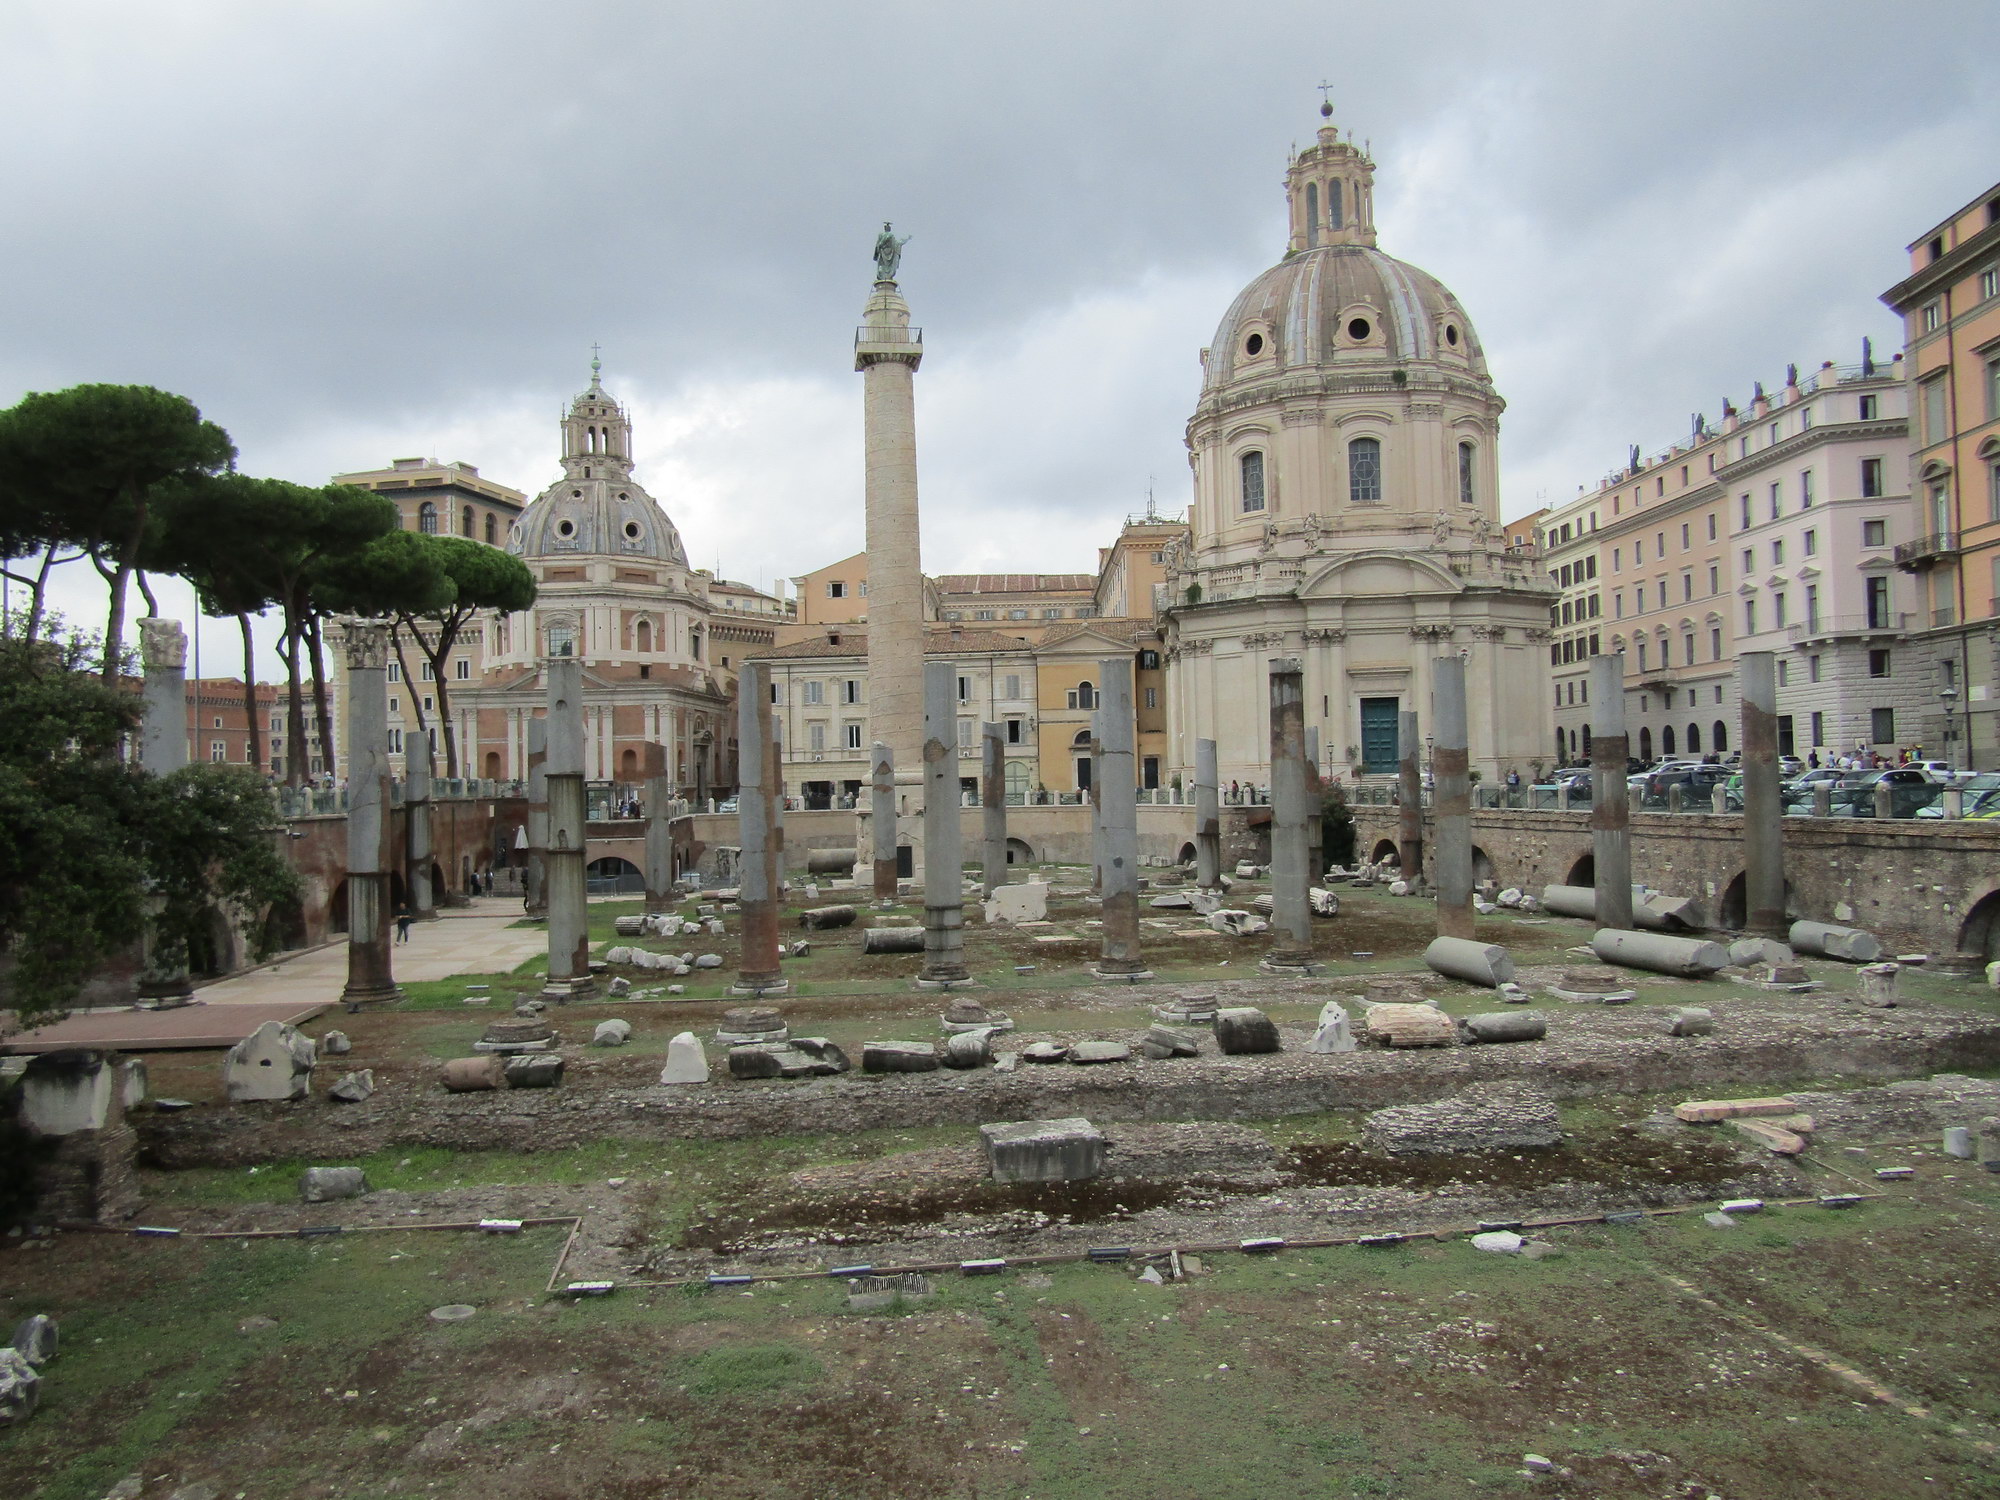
column 82, row 468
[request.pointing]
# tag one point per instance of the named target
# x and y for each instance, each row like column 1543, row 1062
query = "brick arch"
column 1384, row 849
column 1980, row 932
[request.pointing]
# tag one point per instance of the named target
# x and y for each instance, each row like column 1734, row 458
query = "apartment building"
column 1950, row 306
column 1771, row 530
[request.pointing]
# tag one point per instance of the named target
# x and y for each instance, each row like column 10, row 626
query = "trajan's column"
column 887, row 351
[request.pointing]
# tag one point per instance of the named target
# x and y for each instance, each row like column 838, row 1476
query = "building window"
column 814, row 692
column 1930, row 317
column 395, row 742
column 1250, row 470
column 1882, row 725
column 462, row 669
column 1930, row 401
column 1777, row 501
column 1017, row 614
column 850, row 690
column 1083, row 695
column 852, row 734
column 1868, row 408
column 395, row 671
column 465, row 521
column 1745, row 502
column 1874, row 533
column 1051, row 614
column 982, row 614
column 1876, row 594
column 815, row 736
column 1711, row 526
column 836, row 589
column 1014, row 731
column 1989, row 282
column 965, row 690
column 492, row 531
column 1871, row 478
column 1685, row 542
column 1806, row 490
column 1778, row 552
column 1714, row 580
column 1152, row 697
column 1992, row 386
column 426, row 671
column 1878, row 663
column 1465, row 473
column 1812, row 543
column 1364, row 469
column 1749, row 616
column 1749, row 562
column 427, row 519
column 1993, row 491
column 1012, row 685
column 1715, row 643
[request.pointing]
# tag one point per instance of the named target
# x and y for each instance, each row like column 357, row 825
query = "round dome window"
column 1254, row 345
column 1451, row 334
column 576, row 494
column 1358, row 329
column 565, row 528
column 632, row 530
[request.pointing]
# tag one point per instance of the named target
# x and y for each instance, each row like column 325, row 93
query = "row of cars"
column 1916, row 787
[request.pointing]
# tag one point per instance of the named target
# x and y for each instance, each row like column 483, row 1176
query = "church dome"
column 596, row 509
column 1336, row 305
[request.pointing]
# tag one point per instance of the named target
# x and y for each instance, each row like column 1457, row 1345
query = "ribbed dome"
column 1336, row 305
column 585, row 517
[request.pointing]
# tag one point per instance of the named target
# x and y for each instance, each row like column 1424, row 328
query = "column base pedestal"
column 946, row 982
column 356, row 999
column 755, row 989
column 1290, row 963
column 1122, row 976
column 562, row 991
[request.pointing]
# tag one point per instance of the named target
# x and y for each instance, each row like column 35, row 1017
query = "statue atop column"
column 888, row 253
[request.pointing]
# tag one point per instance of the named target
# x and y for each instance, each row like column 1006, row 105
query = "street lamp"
column 1948, row 695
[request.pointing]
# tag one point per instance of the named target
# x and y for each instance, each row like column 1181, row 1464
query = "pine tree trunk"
column 256, row 746
column 319, row 696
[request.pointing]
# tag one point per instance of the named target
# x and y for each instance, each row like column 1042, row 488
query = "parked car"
column 1791, row 765
column 1941, row 770
column 1910, row 791
column 1695, row 782
column 1983, row 788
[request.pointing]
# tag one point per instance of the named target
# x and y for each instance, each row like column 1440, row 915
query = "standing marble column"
column 1410, row 800
column 1610, row 795
column 659, row 796
column 1291, row 908
column 1451, row 766
column 1315, row 798
column 535, row 879
column 565, row 887
column 759, row 867
column 882, row 820
column 993, row 804
column 944, row 856
column 1118, row 818
column 370, row 981
column 418, row 851
column 1207, row 819
column 1763, row 803
column 163, row 736
column 887, row 352
column 163, row 748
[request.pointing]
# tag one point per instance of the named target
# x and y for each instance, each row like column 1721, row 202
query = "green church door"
column 1379, row 751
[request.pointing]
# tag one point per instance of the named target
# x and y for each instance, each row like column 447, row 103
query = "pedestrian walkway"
column 475, row 939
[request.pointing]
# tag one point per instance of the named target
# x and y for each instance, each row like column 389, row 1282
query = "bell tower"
column 1330, row 187
column 597, row 435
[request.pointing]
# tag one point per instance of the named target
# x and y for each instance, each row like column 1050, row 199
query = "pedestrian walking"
column 403, row 921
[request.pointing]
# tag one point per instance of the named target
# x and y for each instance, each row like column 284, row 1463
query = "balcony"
column 1926, row 550
column 1830, row 627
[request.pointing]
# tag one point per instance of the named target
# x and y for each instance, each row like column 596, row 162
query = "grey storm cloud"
column 352, row 230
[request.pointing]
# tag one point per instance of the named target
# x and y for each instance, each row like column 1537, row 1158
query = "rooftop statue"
column 888, row 253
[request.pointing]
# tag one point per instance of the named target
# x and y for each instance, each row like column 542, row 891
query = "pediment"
column 1380, row 574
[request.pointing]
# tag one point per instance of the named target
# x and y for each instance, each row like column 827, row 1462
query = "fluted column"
column 566, row 889
column 370, row 981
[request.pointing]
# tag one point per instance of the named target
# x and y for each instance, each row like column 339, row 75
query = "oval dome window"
column 1254, row 345
column 632, row 530
column 1358, row 329
column 1451, row 334
column 565, row 528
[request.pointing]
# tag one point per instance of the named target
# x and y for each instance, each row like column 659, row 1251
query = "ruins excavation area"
column 1681, row 1207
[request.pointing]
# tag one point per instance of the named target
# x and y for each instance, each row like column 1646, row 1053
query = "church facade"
column 1346, row 507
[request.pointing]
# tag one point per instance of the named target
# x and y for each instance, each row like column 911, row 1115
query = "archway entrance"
column 1981, row 931
column 1583, row 872
column 610, row 875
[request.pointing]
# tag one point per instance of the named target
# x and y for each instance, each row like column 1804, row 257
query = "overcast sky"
column 352, row 231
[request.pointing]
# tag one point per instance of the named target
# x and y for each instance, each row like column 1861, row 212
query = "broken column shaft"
column 882, row 819
column 163, row 748
column 564, row 885
column 418, row 851
column 1118, row 820
column 1291, row 908
column 1610, row 794
column 1207, row 819
column 1451, row 798
column 535, row 878
column 761, row 863
column 993, row 804
column 369, row 978
column 1410, row 801
column 659, row 831
column 1763, row 804
column 944, row 856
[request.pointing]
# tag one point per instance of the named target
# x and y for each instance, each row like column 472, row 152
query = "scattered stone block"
column 1690, row 1020
column 1100, row 1052
column 1849, row 944
column 1958, row 1142
column 1878, row 983
column 20, row 1388
column 35, row 1339
column 687, row 1060
column 751, row 1023
column 827, row 1059
column 354, row 1088
column 1513, row 994
column 1750, row 951
column 1409, row 1026
column 1709, row 1111
column 1324, row 903
column 1188, row 1008
column 1687, row 958
column 1069, row 1150
column 1506, row 1026
column 878, row 1293
column 628, row 926
column 1507, row 1116
column 470, row 1075
column 335, row 1044
column 329, row 1184
column 899, row 1057
column 1770, row 1134
column 533, row 1070
column 274, row 1062
column 968, row 1049
column 1243, row 1029
column 1474, row 963
column 522, row 1034
column 619, row 988
column 1335, row 1032
column 893, row 940
column 1026, row 902
column 612, row 1033
column 1510, row 898
column 1170, row 1041
column 1044, row 1052
column 768, row 1060
column 1172, row 901
column 1499, row 1242
column 1399, row 887
column 708, row 961
column 969, row 1015
column 1237, row 923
